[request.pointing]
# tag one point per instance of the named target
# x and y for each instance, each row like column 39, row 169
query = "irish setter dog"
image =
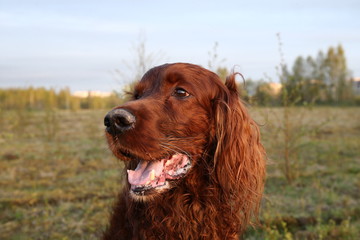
column 194, row 164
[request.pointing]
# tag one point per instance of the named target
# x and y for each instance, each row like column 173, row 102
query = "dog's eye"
column 136, row 96
column 180, row 93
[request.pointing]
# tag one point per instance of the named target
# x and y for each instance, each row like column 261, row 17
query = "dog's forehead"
column 150, row 80
column 187, row 75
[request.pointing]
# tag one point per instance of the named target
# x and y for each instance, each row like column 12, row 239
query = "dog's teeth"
column 152, row 175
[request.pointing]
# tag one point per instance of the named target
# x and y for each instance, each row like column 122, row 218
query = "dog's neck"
column 189, row 212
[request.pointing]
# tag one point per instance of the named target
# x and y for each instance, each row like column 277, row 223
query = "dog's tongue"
column 141, row 175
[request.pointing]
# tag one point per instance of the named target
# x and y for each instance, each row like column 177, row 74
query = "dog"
column 194, row 163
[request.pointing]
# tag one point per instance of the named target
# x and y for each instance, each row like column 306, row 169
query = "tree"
column 214, row 64
column 262, row 94
column 64, row 98
column 323, row 79
column 338, row 74
column 136, row 68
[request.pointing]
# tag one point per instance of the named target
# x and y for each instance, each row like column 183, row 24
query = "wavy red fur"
column 220, row 195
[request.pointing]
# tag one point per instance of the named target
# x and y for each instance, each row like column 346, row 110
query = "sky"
column 84, row 45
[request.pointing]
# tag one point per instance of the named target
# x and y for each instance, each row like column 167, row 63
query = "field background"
column 58, row 179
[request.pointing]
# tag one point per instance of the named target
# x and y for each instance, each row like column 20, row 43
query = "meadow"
column 58, row 179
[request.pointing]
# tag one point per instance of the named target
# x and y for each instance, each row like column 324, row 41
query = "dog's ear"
column 230, row 83
column 239, row 159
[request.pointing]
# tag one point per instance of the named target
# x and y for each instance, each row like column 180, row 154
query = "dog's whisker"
column 168, row 146
column 174, row 148
column 175, row 138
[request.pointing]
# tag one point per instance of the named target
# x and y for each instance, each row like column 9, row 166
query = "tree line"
column 48, row 99
column 321, row 80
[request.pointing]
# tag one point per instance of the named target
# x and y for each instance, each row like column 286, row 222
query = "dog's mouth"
column 155, row 175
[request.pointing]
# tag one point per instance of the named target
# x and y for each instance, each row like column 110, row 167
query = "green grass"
column 58, row 179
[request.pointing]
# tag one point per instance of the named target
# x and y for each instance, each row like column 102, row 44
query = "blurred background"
column 64, row 64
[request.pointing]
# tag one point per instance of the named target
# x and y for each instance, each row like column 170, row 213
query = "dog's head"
column 165, row 127
column 180, row 115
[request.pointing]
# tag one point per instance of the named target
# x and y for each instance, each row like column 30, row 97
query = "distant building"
column 275, row 88
column 356, row 85
column 85, row 94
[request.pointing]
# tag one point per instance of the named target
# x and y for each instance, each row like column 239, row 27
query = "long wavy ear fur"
column 239, row 161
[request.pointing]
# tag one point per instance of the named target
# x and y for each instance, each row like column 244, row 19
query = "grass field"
column 58, row 179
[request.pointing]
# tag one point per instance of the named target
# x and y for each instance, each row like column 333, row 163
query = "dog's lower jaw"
column 142, row 197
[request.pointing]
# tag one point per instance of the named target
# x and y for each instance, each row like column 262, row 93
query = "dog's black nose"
column 118, row 121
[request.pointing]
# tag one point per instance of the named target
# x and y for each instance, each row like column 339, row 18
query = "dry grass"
column 58, row 179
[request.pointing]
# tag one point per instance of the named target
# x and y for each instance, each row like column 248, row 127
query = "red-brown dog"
column 194, row 163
